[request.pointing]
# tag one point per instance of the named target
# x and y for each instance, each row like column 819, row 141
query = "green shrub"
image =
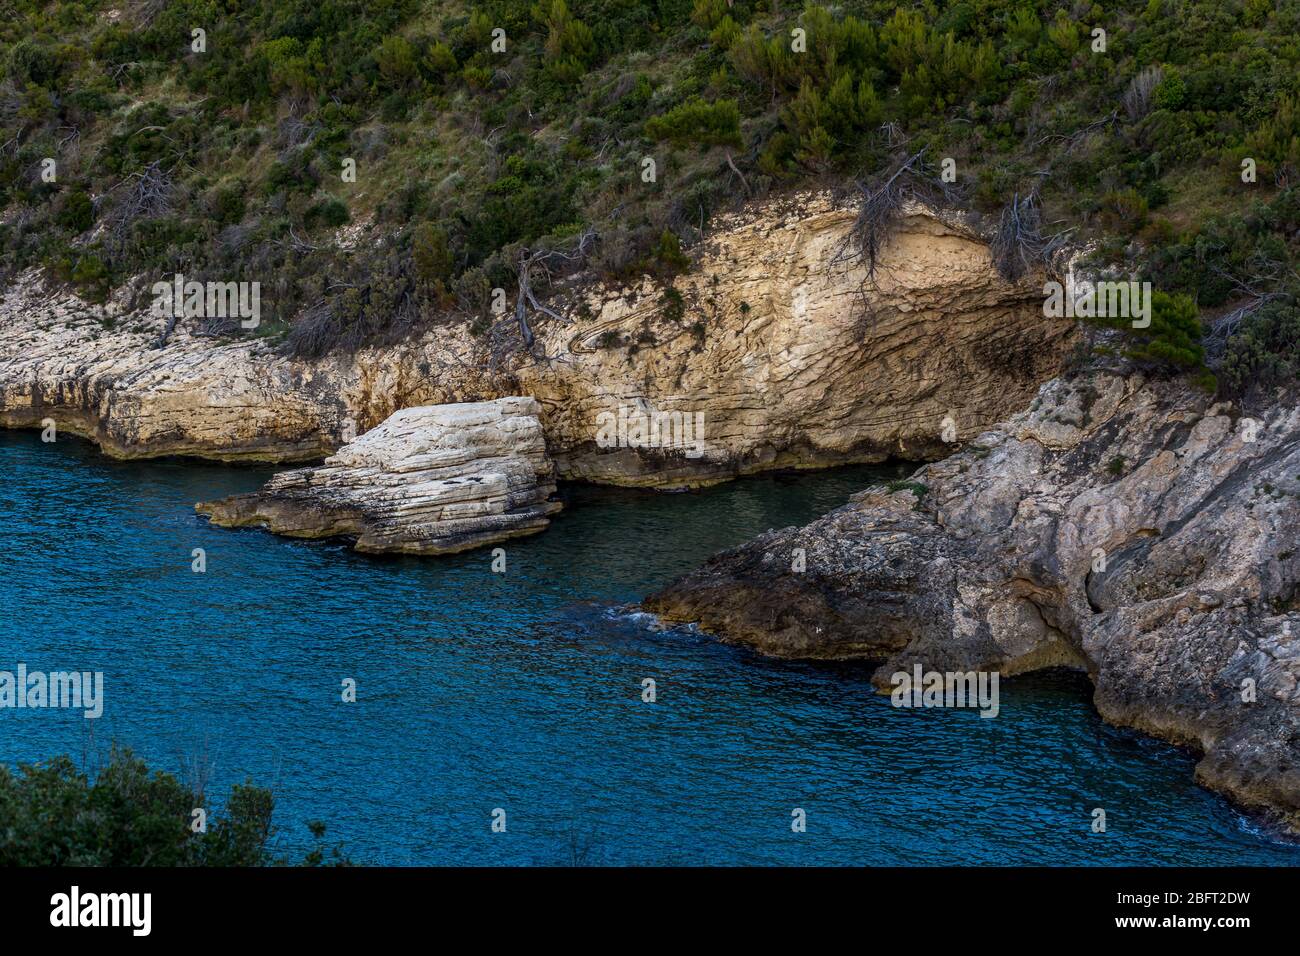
column 672, row 305
column 1170, row 92
column 666, row 256
column 32, row 61
column 53, row 815
column 397, row 62
column 570, row 44
column 695, row 121
column 1173, row 339
column 329, row 213
column 90, row 275
column 439, row 61
column 724, row 34
column 1126, row 208
column 226, row 203
column 1265, row 351
column 290, row 176
column 431, row 254
column 709, row 13
column 253, row 131
column 77, row 213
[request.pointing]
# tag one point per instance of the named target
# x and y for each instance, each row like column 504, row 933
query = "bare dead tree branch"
column 743, row 181
column 144, row 12
column 148, row 195
column 1215, row 338
column 297, row 244
column 882, row 201
column 1019, row 245
column 1141, row 90
column 1072, row 140
column 545, row 262
column 166, row 333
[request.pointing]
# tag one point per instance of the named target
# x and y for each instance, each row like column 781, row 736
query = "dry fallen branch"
column 743, row 181
column 148, row 196
column 1215, row 338
column 298, row 245
column 1019, row 245
column 143, row 13
column 882, row 201
column 1072, row 140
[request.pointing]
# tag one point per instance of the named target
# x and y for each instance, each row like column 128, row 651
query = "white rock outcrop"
column 1134, row 527
column 433, row 479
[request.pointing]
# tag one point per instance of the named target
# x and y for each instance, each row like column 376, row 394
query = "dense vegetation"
column 232, row 161
column 51, row 814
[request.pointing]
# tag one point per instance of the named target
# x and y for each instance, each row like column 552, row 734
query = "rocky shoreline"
column 1128, row 527
column 768, row 341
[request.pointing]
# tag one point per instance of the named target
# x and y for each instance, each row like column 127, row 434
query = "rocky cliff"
column 1128, row 527
column 1133, row 528
column 428, row 480
column 99, row 372
column 776, row 349
column 794, row 355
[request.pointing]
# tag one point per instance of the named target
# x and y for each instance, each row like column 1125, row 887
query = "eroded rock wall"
column 792, row 354
column 777, row 342
column 98, row 372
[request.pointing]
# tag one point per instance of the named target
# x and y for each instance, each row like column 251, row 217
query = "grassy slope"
column 226, row 163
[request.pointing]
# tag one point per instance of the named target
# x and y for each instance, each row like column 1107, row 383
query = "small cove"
column 523, row 691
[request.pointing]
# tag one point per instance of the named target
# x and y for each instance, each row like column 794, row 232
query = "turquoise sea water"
column 522, row 691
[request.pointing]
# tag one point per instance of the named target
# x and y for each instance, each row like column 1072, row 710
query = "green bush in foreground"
column 51, row 814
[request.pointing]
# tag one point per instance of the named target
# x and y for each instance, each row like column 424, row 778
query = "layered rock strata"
column 429, row 480
column 776, row 349
column 99, row 371
column 788, row 352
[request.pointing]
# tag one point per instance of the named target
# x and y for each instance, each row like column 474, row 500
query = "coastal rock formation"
column 98, row 371
column 777, row 349
column 789, row 353
column 1133, row 528
column 429, row 480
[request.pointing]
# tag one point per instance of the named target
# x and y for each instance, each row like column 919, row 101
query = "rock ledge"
column 1130, row 527
column 433, row 479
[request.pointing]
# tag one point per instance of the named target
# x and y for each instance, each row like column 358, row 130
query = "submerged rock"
column 429, row 480
column 1135, row 529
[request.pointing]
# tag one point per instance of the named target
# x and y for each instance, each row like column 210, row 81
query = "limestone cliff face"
column 790, row 354
column 1130, row 527
column 429, row 480
column 777, row 344
column 97, row 371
